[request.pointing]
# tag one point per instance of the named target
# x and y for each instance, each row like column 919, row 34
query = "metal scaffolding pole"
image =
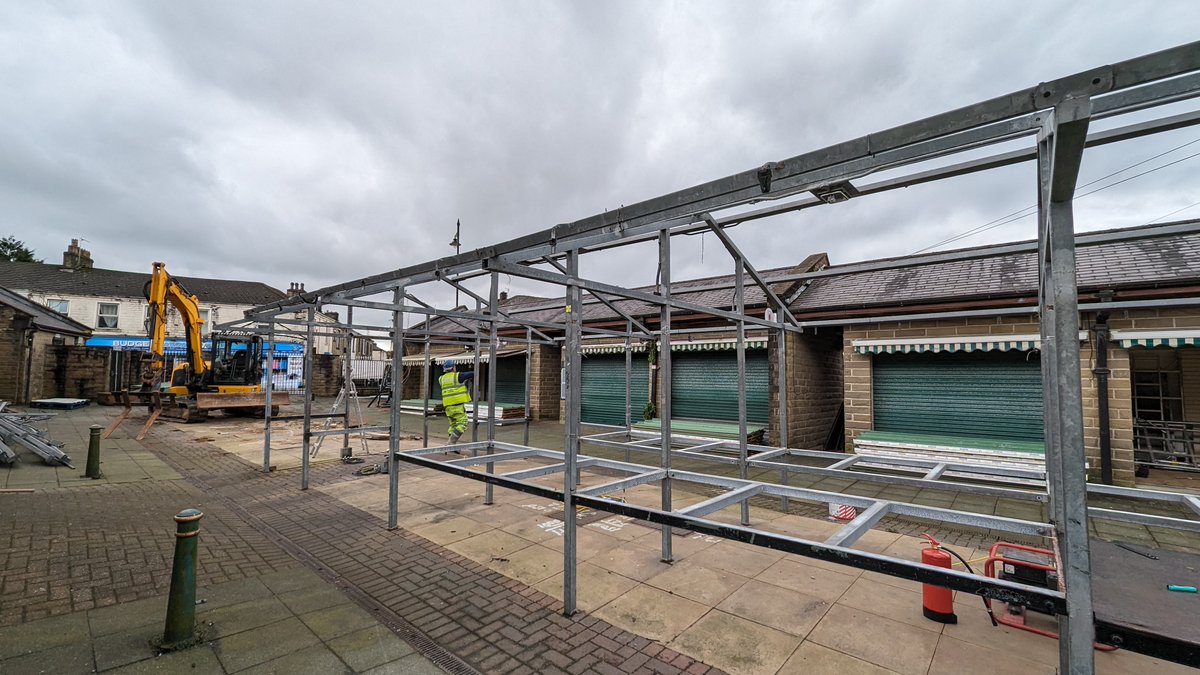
column 308, row 399
column 739, row 295
column 664, row 379
column 1060, row 151
column 270, row 372
column 347, row 384
column 628, row 378
column 573, row 408
column 475, row 380
column 493, row 309
column 397, row 394
column 425, row 385
column 528, row 379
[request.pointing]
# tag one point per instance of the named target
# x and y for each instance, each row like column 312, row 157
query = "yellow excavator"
column 230, row 379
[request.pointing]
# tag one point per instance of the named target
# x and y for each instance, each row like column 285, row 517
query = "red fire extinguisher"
column 937, row 602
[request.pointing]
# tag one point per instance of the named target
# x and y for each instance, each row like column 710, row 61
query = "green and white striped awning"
column 961, row 343
column 1157, row 338
column 685, row 346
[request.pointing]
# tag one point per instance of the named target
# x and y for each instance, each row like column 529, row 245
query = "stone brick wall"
column 74, row 372
column 327, row 374
column 814, row 387
column 858, row 395
column 12, row 355
column 545, row 370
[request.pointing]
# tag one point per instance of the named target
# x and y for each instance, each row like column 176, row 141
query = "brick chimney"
column 503, row 297
column 77, row 258
column 295, row 289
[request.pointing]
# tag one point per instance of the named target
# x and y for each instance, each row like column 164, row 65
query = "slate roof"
column 1152, row 256
column 44, row 318
column 46, row 278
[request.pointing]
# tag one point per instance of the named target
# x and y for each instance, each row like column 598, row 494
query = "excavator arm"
column 163, row 289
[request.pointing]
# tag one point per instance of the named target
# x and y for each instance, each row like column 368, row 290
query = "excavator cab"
column 235, row 361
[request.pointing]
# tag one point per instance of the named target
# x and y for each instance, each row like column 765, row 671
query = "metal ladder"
column 347, row 390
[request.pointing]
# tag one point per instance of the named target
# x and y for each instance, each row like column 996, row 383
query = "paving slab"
column 736, row 644
column 451, row 530
column 808, row 579
column 311, row 599
column 41, row 635
column 337, row 621
column 652, row 613
column 234, row 619
column 413, row 664
column 595, row 586
column 697, row 582
column 370, row 647
column 315, row 660
column 813, row 659
column 634, row 561
column 530, row 565
column 890, row 644
column 779, row 608
column 252, row 647
column 742, row 559
column 951, row 654
column 72, row 658
column 123, row 648
column 898, row 604
column 198, row 659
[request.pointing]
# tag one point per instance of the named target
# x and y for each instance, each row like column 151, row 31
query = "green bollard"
column 180, row 630
column 93, row 460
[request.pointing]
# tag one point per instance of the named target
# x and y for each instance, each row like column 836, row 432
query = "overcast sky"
column 325, row 141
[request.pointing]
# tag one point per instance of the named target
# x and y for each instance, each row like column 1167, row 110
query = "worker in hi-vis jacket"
column 454, row 397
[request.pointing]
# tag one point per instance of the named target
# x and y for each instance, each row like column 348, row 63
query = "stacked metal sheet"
column 15, row 431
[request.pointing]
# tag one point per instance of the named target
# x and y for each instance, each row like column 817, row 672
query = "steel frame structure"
column 1056, row 114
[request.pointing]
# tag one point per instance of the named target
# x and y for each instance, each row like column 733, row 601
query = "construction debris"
column 15, row 431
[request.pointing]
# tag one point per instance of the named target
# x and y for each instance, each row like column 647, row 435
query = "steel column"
column 426, row 383
column 1060, row 150
column 528, row 379
column 270, row 375
column 348, row 384
column 573, row 409
column 739, row 301
column 664, row 379
column 493, row 309
column 308, row 399
column 396, row 395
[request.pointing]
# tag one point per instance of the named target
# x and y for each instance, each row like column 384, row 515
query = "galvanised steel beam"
column 736, row 496
column 920, row 483
column 526, row 474
column 625, row 483
column 1060, row 153
column 997, row 589
column 618, row 291
column 862, row 523
column 772, row 299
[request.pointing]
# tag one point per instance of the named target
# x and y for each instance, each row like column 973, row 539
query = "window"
column 106, row 315
column 60, row 306
column 204, row 327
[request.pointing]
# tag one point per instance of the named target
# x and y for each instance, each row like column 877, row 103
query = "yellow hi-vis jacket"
column 454, row 391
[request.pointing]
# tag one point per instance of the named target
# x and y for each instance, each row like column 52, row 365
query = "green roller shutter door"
column 994, row 395
column 604, row 388
column 705, row 386
column 510, row 380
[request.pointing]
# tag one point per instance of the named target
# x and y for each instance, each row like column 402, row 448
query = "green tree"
column 15, row 250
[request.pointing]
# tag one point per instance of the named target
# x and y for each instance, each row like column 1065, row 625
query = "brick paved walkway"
column 433, row 597
column 70, row 549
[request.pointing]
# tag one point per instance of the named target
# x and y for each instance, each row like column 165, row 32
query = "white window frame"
column 205, row 325
column 66, row 305
column 115, row 315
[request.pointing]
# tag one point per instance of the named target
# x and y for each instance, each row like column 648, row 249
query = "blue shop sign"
column 122, row 343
